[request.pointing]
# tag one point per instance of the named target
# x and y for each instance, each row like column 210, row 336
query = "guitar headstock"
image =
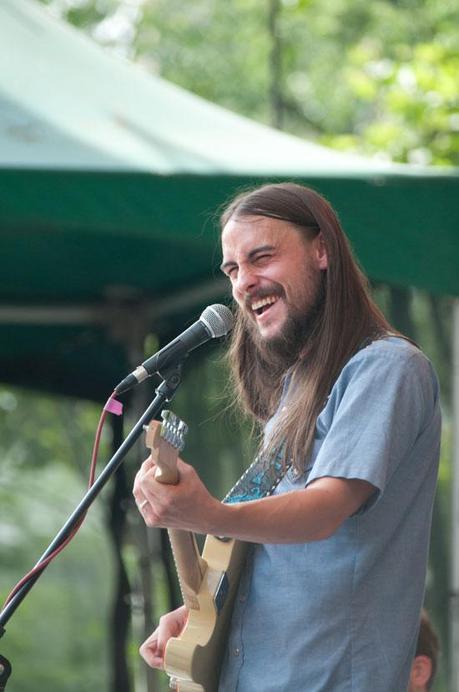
column 166, row 440
column 173, row 429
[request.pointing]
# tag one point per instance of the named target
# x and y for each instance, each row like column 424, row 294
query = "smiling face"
column 275, row 273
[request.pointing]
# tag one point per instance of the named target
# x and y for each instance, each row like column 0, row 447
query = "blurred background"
column 376, row 80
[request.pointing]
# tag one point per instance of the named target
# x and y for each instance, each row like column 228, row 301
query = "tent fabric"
column 67, row 103
column 77, row 234
column 109, row 183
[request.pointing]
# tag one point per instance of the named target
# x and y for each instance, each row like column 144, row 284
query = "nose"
column 245, row 282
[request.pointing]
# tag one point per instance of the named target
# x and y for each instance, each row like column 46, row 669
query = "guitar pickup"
column 222, row 592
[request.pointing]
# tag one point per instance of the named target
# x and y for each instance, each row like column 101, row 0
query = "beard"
column 283, row 350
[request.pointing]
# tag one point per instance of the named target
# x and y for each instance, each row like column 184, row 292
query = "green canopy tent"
column 109, row 179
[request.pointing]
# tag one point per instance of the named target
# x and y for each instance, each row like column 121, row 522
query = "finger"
column 143, row 506
column 148, row 464
column 140, row 498
column 149, row 514
column 138, row 493
column 139, row 479
column 151, row 653
column 170, row 625
column 136, row 489
column 144, row 478
column 145, row 467
column 154, row 661
column 182, row 464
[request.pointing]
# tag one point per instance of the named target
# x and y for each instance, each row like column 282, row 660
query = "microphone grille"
column 218, row 319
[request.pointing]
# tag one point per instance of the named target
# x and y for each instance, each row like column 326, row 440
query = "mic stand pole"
column 164, row 393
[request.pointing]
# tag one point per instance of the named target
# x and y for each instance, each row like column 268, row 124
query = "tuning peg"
column 182, row 428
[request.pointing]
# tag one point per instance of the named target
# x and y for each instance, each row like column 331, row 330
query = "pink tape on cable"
column 114, row 406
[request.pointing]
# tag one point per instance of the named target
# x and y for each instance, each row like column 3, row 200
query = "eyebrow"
column 250, row 256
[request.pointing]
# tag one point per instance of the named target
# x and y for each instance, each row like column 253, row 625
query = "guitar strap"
column 263, row 475
column 260, row 480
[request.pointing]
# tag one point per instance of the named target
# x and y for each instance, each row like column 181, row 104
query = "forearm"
column 295, row 517
column 310, row 514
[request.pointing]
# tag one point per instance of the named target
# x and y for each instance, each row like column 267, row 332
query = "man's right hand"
column 170, row 625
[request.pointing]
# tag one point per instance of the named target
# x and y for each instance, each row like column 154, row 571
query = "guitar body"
column 195, row 657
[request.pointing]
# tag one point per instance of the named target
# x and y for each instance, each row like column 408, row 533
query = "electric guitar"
column 208, row 583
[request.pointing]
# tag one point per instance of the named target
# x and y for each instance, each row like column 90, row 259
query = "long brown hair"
column 347, row 318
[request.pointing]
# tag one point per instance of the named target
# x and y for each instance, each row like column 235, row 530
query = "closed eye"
column 230, row 270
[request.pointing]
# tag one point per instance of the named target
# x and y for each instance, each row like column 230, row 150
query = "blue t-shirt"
column 342, row 614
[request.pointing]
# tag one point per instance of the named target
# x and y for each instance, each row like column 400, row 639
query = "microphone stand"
column 164, row 392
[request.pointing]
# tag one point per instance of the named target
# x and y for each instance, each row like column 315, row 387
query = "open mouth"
column 263, row 304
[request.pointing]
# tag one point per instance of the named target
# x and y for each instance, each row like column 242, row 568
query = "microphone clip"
column 172, row 377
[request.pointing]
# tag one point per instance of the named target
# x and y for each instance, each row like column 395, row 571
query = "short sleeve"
column 381, row 403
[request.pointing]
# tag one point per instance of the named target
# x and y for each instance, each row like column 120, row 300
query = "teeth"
column 264, row 301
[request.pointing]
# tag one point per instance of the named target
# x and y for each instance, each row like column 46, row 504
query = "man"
column 332, row 589
column 424, row 665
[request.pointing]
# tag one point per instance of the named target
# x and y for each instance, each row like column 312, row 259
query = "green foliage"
column 32, row 430
column 57, row 639
column 408, row 105
column 218, row 50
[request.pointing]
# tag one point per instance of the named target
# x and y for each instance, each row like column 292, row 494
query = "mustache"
column 261, row 293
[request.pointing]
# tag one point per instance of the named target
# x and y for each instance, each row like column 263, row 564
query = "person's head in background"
column 424, row 664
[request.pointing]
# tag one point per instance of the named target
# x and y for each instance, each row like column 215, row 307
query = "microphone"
column 215, row 321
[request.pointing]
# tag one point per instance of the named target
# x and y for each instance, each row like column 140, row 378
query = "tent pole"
column 454, row 603
column 172, row 304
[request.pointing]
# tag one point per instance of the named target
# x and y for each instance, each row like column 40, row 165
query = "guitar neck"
column 162, row 440
column 190, row 565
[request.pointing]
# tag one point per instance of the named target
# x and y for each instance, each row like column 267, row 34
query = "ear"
column 421, row 671
column 321, row 252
